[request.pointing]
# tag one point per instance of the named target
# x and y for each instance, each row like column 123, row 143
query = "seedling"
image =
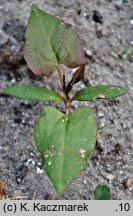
column 102, row 192
column 127, row 53
column 65, row 141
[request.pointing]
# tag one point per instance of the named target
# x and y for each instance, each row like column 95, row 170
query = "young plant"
column 102, row 192
column 65, row 141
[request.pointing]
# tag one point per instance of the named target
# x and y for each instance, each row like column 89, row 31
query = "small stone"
column 18, row 180
column 107, row 176
column 33, row 163
column 118, row 4
column 131, row 21
column 100, row 114
column 102, row 124
column 39, row 171
column 13, row 81
column 110, row 177
column 113, row 54
column 88, row 53
column 121, row 172
column 99, row 144
column 29, row 160
column 84, row 14
column 85, row 181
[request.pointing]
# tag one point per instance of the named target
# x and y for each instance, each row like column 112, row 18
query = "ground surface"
column 112, row 160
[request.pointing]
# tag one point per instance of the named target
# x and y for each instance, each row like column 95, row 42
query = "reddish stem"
column 68, row 105
column 67, row 98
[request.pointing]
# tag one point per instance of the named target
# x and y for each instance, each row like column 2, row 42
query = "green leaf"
column 100, row 92
column 102, row 192
column 33, row 93
column 65, row 143
column 127, row 53
column 49, row 43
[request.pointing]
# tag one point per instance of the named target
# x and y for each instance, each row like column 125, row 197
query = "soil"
column 106, row 26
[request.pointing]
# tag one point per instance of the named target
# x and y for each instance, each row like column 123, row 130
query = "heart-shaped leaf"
column 49, row 43
column 33, row 93
column 65, row 143
column 102, row 192
column 99, row 92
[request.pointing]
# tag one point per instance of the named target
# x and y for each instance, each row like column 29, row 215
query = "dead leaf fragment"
column 128, row 182
column 3, row 194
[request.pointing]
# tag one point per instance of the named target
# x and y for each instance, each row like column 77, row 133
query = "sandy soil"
column 105, row 43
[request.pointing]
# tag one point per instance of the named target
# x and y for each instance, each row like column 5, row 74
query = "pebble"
column 100, row 143
column 113, row 54
column 100, row 114
column 13, row 81
column 33, row 163
column 107, row 176
column 131, row 21
column 88, row 53
column 29, row 160
column 84, row 14
column 118, row 4
column 120, row 172
column 39, row 170
column 102, row 124
column 85, row 181
column 110, row 177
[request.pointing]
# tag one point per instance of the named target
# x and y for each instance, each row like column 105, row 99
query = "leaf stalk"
column 67, row 98
column 68, row 105
column 60, row 75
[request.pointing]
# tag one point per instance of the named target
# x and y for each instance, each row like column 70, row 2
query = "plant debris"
column 3, row 194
